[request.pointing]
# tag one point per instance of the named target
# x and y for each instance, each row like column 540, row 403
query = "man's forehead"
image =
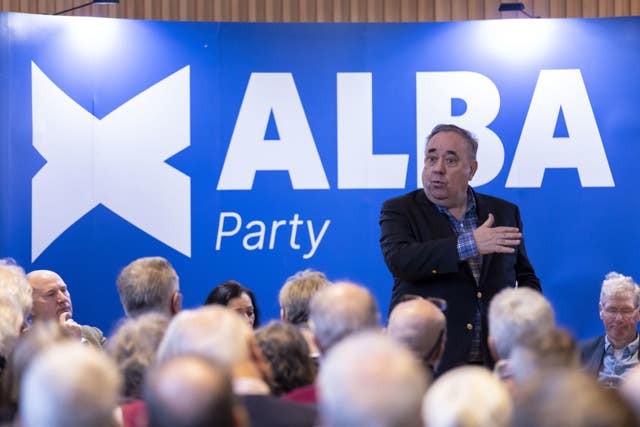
column 45, row 280
column 619, row 299
column 445, row 142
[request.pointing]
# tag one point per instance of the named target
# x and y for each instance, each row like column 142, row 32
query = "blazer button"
column 479, row 294
column 434, row 271
column 469, row 326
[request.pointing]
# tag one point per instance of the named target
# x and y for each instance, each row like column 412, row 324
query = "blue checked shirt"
column 467, row 251
column 614, row 368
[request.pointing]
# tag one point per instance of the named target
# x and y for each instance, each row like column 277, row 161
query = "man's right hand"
column 491, row 240
column 69, row 325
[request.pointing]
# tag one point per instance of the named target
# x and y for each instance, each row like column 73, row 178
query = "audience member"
column 40, row 337
column 70, row 385
column 516, row 313
column 133, row 347
column 336, row 312
column 368, row 380
column 14, row 285
column 219, row 334
column 340, row 310
column 11, row 320
column 287, row 351
column 149, row 285
column 238, row 298
column 468, row 396
column 52, row 301
column 190, row 391
column 610, row 355
column 422, row 327
column 295, row 297
column 570, row 398
column 538, row 354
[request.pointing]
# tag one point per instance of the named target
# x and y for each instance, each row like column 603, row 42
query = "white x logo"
column 117, row 161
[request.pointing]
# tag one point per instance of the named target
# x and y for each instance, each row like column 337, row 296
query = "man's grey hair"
column 133, row 347
column 11, row 319
column 297, row 292
column 147, row 284
column 70, row 385
column 213, row 332
column 470, row 138
column 468, row 396
column 542, row 353
column 339, row 310
column 615, row 285
column 515, row 313
column 368, row 380
column 14, row 285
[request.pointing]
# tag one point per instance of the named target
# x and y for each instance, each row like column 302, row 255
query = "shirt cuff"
column 467, row 246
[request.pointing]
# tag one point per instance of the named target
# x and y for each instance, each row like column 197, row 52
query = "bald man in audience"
column 336, row 312
column 368, row 380
column 422, row 327
column 191, row 391
column 52, row 301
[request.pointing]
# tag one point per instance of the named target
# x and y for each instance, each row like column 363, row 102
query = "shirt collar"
column 627, row 351
column 471, row 203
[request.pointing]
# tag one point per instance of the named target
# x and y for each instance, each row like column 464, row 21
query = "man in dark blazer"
column 610, row 356
column 450, row 242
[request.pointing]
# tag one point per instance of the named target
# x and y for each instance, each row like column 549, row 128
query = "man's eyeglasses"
column 624, row 312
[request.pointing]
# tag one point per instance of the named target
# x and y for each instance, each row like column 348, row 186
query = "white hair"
column 616, row 284
column 11, row 319
column 515, row 313
column 340, row 310
column 14, row 285
column 369, row 380
column 213, row 332
column 469, row 396
column 70, row 385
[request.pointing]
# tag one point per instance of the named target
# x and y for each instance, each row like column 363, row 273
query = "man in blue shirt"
column 611, row 355
column 448, row 241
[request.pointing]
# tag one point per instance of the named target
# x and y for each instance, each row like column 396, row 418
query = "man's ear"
column 283, row 315
column 176, row 303
column 473, row 167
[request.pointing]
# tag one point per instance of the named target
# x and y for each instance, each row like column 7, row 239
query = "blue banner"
column 252, row 151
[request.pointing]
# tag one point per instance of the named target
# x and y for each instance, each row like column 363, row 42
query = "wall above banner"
column 252, row 151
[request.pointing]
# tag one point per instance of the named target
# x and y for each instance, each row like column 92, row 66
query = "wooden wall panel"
column 327, row 10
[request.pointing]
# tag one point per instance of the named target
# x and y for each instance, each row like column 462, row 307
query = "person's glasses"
column 441, row 303
column 624, row 312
